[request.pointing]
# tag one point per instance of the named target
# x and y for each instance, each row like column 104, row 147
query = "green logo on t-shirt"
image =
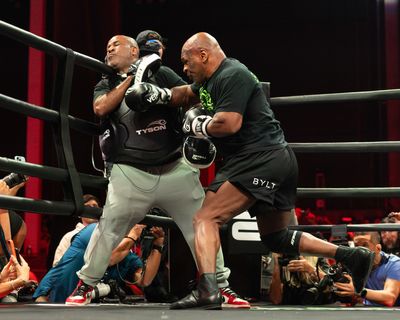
column 254, row 76
column 205, row 99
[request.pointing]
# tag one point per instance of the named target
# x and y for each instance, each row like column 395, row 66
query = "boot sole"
column 206, row 307
column 371, row 263
column 209, row 307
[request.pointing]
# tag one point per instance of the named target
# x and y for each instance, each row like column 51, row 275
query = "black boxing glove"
column 195, row 122
column 141, row 96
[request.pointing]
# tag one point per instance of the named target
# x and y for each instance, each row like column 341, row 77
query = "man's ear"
column 135, row 52
column 203, row 55
column 378, row 247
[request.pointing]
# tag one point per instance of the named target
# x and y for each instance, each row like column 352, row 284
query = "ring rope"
column 374, row 95
column 325, row 147
column 349, row 227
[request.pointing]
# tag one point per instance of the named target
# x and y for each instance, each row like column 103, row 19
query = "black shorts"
column 268, row 176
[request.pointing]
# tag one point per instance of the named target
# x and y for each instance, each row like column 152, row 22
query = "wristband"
column 128, row 237
column 158, row 248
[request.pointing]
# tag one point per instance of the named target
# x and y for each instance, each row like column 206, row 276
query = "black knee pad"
column 284, row 241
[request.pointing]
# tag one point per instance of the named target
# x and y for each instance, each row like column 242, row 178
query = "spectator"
column 60, row 281
column 88, row 200
column 18, row 234
column 14, row 228
column 295, row 281
column 383, row 285
column 12, row 224
column 390, row 239
column 13, row 276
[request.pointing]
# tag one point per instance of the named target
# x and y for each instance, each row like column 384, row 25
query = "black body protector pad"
column 149, row 138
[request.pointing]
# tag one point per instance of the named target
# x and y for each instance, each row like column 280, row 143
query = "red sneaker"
column 81, row 296
column 232, row 299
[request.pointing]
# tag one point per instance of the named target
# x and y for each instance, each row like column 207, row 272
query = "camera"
column 334, row 274
column 146, row 233
column 14, row 179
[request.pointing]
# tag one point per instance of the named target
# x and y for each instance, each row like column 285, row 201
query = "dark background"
column 301, row 47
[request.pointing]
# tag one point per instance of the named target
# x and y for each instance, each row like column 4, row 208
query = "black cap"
column 147, row 35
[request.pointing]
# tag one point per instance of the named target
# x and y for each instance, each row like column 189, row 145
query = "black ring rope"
column 50, row 173
column 73, row 190
column 48, row 115
column 325, row 147
column 40, row 43
column 375, row 95
column 378, row 192
column 349, row 227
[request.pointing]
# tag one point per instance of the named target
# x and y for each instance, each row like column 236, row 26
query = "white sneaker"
column 232, row 299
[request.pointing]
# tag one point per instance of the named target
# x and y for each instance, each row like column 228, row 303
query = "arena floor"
column 152, row 311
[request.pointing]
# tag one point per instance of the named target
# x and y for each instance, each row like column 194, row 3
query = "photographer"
column 90, row 201
column 295, row 280
column 13, row 276
column 383, row 285
column 14, row 228
column 12, row 224
column 125, row 267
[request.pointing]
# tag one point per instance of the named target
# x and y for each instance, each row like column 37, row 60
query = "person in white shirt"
column 88, row 200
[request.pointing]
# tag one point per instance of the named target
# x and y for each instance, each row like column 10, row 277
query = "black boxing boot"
column 206, row 296
column 358, row 261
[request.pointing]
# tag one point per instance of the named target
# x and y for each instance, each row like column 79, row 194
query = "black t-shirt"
column 234, row 88
column 148, row 138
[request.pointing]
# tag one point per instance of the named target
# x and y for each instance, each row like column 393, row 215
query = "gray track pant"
column 131, row 194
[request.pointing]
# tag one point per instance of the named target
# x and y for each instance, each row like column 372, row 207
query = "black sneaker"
column 81, row 296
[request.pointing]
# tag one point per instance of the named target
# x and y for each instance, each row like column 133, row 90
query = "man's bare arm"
column 108, row 102
column 183, row 96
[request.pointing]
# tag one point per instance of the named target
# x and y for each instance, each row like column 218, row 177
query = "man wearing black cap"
column 149, row 42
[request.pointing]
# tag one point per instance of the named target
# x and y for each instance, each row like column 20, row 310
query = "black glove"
column 141, row 96
column 195, row 122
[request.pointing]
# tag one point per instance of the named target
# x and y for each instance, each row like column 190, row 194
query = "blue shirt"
column 389, row 268
column 62, row 279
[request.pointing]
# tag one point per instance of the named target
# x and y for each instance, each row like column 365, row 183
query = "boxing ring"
column 73, row 181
